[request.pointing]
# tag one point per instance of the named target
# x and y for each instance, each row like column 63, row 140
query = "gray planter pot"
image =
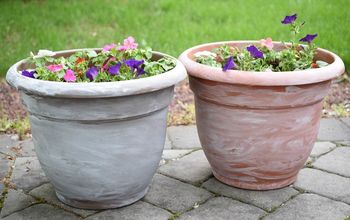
column 98, row 143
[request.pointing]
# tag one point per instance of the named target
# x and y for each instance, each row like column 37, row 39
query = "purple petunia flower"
column 135, row 65
column 91, row 73
column 255, row 52
column 28, row 74
column 114, row 70
column 308, row 38
column 289, row 19
column 229, row 65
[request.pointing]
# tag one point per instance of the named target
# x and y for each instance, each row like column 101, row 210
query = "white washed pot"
column 98, row 143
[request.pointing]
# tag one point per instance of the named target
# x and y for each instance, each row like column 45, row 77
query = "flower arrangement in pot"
column 98, row 119
column 258, row 105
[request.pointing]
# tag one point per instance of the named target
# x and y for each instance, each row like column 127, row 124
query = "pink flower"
column 55, row 68
column 129, row 44
column 69, row 76
column 105, row 64
column 108, row 47
column 267, row 43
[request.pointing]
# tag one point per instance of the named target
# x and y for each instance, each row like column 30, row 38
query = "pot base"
column 255, row 186
column 106, row 204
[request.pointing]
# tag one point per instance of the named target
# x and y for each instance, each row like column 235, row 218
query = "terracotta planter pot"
column 257, row 129
column 98, row 143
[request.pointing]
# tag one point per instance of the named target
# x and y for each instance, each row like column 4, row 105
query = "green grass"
column 169, row 26
column 19, row 126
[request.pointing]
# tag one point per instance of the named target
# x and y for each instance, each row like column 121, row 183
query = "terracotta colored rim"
column 94, row 90
column 302, row 77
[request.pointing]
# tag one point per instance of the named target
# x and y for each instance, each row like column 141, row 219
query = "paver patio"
column 184, row 187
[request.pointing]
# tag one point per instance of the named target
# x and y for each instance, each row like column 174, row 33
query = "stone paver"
column 267, row 200
column 15, row 201
column 27, row 173
column 174, row 154
column 47, row 192
column 185, row 188
column 7, row 142
column 2, row 187
column 184, row 137
column 167, row 144
column 333, row 130
column 321, row 148
column 346, row 121
column 337, row 161
column 174, row 195
column 223, row 208
column 27, row 149
column 41, row 212
column 310, row 206
column 193, row 168
column 326, row 184
column 4, row 166
column 138, row 211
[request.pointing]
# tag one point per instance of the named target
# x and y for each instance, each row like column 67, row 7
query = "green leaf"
column 91, row 53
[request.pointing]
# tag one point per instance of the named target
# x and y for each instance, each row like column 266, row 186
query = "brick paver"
column 193, row 168
column 310, row 206
column 337, row 161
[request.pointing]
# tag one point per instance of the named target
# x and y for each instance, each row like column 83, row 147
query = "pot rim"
column 301, row 77
column 94, row 89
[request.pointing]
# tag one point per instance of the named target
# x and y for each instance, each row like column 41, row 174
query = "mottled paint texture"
column 258, row 129
column 98, row 143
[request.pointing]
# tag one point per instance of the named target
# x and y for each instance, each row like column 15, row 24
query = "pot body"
column 98, row 143
column 257, row 129
column 257, row 137
column 99, row 153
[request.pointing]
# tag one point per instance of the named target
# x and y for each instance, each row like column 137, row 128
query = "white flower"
column 205, row 53
column 268, row 70
column 44, row 53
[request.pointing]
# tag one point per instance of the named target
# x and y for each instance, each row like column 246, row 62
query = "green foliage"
column 160, row 66
column 292, row 57
column 81, row 61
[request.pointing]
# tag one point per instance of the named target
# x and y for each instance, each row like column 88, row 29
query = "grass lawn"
column 169, row 26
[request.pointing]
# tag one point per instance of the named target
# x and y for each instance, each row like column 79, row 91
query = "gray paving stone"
column 7, row 142
column 267, row 200
column 47, row 192
column 333, row 130
column 311, row 206
column 15, row 201
column 27, row 173
column 323, row 183
column 137, row 211
column 5, row 164
column 26, row 149
column 167, row 144
column 184, row 137
column 174, row 154
column 337, row 161
column 192, row 168
column 321, row 148
column 41, row 212
column 2, row 187
column 174, row 195
column 223, row 208
column 346, row 121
